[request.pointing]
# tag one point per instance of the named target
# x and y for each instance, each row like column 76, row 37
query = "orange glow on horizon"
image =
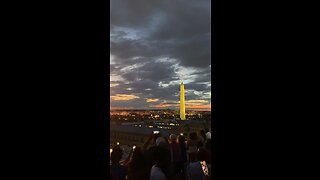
column 123, row 97
column 162, row 105
column 114, row 84
column 199, row 107
column 197, row 101
column 152, row 100
column 189, row 105
column 122, row 108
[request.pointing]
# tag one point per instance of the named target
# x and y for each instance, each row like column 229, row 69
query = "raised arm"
column 146, row 144
column 125, row 162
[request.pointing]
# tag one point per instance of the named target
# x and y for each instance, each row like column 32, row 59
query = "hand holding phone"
column 205, row 169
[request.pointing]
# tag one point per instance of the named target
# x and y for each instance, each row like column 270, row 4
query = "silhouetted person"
column 176, row 157
column 197, row 169
column 201, row 138
column 149, row 156
column 159, row 171
column 118, row 171
column 137, row 169
column 162, row 142
column 183, row 148
column 192, row 145
column 208, row 149
column 149, row 141
column 148, row 153
column 208, row 133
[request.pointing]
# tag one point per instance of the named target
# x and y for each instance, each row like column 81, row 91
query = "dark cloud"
column 135, row 13
column 203, row 76
column 155, row 71
column 123, row 49
column 197, row 87
column 150, row 39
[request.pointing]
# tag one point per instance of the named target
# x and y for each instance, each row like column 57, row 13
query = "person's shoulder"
column 152, row 148
column 194, row 142
column 156, row 169
column 196, row 164
column 114, row 166
column 153, row 168
column 124, row 168
column 190, row 164
column 156, row 174
column 175, row 144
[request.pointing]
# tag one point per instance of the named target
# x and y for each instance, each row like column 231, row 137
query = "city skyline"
column 154, row 46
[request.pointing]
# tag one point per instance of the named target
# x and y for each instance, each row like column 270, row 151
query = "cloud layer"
column 154, row 46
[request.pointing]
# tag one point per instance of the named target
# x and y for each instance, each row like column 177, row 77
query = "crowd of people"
column 165, row 158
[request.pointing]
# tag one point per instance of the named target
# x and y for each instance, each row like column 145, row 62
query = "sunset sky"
column 154, row 45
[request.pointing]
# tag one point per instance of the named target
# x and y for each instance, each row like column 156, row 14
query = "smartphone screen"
column 155, row 132
column 204, row 168
column 133, row 147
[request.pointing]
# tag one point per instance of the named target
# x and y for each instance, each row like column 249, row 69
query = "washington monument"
column 182, row 103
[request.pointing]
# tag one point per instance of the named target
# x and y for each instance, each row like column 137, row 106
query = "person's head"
column 193, row 136
column 167, row 141
column 208, row 135
column 155, row 137
column 203, row 134
column 162, row 157
column 173, row 138
column 149, row 156
column 160, row 140
column 201, row 154
column 181, row 139
column 116, row 155
column 137, row 158
column 192, row 157
column 208, row 144
column 206, row 130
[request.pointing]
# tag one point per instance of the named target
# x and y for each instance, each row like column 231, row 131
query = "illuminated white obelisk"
column 182, row 103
